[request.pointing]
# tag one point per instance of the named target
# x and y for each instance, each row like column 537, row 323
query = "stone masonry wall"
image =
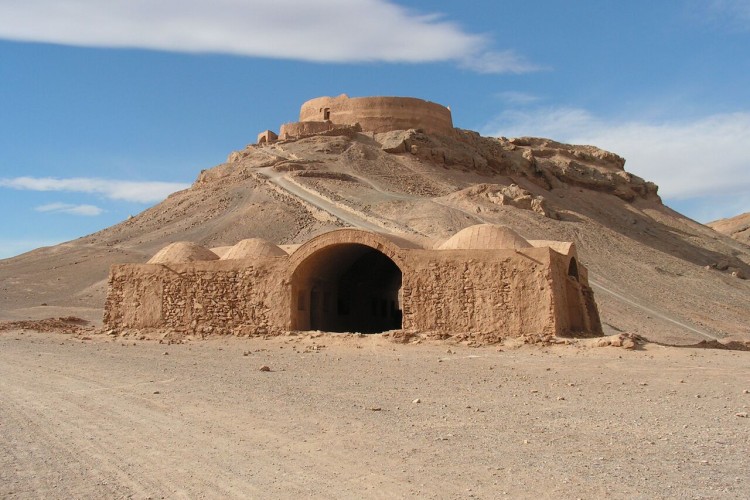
column 201, row 297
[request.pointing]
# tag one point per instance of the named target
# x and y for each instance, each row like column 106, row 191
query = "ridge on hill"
column 737, row 227
column 654, row 272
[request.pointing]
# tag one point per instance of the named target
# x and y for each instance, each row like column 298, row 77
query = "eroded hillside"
column 738, row 227
column 654, row 271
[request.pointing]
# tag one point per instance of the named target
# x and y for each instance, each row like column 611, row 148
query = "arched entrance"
column 346, row 287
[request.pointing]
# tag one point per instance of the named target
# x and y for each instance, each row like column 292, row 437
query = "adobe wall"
column 241, row 297
column 303, row 129
column 380, row 114
column 575, row 309
column 488, row 293
column 267, row 137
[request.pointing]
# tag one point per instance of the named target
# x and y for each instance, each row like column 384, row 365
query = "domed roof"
column 182, row 252
column 485, row 237
column 253, row 248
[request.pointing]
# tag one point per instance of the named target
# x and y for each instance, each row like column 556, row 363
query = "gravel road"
column 362, row 417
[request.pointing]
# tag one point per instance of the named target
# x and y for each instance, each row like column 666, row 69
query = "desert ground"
column 347, row 416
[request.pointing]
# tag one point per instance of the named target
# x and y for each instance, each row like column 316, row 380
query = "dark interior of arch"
column 348, row 288
column 573, row 268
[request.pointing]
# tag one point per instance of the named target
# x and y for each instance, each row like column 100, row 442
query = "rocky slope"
column 738, row 227
column 654, row 271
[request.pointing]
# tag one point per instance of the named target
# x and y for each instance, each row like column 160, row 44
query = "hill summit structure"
column 486, row 282
column 364, row 114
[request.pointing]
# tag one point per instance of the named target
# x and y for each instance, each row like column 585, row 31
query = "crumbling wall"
column 304, row 129
column 134, row 297
column 240, row 297
column 488, row 294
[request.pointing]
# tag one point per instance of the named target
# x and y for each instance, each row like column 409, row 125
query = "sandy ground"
column 336, row 417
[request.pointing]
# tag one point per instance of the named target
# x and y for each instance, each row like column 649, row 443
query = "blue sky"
column 107, row 106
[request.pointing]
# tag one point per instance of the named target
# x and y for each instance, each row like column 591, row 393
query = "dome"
column 253, row 248
column 182, row 252
column 485, row 237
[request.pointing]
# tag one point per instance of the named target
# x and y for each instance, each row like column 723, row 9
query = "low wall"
column 302, row 129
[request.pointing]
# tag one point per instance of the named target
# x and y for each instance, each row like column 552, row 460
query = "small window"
column 327, row 114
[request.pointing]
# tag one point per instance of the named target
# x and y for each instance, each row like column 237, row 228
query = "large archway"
column 346, row 287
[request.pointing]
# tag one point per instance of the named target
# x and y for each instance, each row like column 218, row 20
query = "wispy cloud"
column 140, row 192
column 705, row 157
column 517, row 98
column 323, row 31
column 506, row 61
column 727, row 13
column 67, row 208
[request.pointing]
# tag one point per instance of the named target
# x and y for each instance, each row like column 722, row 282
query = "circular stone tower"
column 379, row 114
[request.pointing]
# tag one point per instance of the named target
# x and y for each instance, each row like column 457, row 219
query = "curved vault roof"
column 253, row 248
column 485, row 237
column 182, row 252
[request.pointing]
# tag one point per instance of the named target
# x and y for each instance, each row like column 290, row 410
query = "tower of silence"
column 485, row 281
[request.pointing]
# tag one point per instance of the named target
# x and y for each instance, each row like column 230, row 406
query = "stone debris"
column 66, row 325
column 624, row 340
column 265, row 368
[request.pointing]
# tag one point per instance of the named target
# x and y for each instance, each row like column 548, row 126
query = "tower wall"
column 380, row 114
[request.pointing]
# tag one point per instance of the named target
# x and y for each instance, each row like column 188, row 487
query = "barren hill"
column 738, row 227
column 654, row 271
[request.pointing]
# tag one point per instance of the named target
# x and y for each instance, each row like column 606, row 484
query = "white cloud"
column 67, row 208
column 323, row 31
column 704, row 157
column 140, row 192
